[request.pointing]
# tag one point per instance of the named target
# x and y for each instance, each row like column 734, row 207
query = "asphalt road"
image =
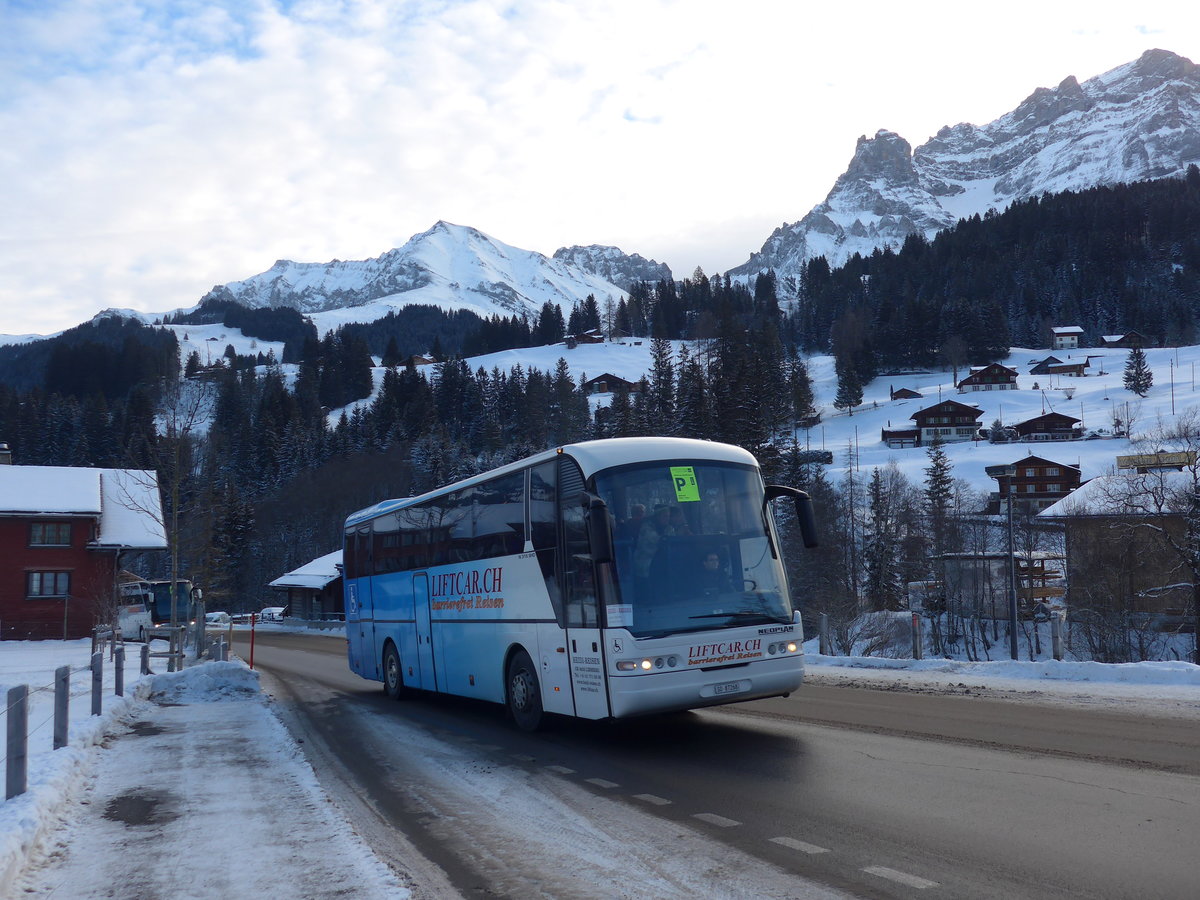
column 868, row 793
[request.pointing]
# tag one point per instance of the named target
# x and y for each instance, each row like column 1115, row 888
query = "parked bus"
column 539, row 585
column 160, row 608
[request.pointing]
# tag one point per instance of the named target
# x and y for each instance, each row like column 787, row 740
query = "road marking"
column 561, row 770
column 794, row 844
column 714, row 819
column 901, row 877
column 650, row 798
column 600, row 782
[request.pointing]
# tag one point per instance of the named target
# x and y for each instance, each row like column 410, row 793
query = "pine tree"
column 1138, row 377
column 939, row 493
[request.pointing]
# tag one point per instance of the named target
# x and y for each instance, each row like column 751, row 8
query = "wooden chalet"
column 904, row 394
column 993, row 377
column 607, row 384
column 1051, row 426
column 1066, row 337
column 594, row 336
column 314, row 591
column 1128, row 340
column 1069, row 369
column 1043, row 367
column 1037, row 484
column 947, row 421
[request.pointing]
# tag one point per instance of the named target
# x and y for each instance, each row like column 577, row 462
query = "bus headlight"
column 646, row 664
column 791, row 647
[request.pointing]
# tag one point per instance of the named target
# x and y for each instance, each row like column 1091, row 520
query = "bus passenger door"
column 585, row 649
column 426, row 677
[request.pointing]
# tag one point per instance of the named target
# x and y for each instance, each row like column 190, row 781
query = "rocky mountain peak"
column 1137, row 121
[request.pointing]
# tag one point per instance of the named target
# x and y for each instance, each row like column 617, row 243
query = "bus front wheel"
column 524, row 694
column 393, row 677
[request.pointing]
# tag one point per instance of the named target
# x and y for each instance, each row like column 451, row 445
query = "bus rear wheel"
column 393, row 677
column 524, row 693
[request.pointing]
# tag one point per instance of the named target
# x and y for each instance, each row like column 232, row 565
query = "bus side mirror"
column 804, row 511
column 599, row 528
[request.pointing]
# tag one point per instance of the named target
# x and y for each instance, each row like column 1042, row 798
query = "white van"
column 272, row 614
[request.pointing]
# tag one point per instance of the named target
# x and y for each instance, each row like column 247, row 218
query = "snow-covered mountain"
column 612, row 264
column 449, row 266
column 1138, row 121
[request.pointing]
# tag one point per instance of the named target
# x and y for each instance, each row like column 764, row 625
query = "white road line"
column 794, row 844
column 650, row 798
column 714, row 819
column 561, row 770
column 600, row 782
column 901, row 877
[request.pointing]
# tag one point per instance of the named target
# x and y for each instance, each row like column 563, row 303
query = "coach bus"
column 603, row 579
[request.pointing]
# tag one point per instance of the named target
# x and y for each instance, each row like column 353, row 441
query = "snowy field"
column 58, row 778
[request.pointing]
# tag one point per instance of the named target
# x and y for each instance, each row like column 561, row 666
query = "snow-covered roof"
column 315, row 574
column 1150, row 493
column 126, row 501
column 1067, row 329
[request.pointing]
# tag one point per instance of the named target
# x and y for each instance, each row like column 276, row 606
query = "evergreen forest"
column 261, row 459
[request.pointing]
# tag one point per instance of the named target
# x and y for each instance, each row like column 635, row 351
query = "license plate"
column 729, row 687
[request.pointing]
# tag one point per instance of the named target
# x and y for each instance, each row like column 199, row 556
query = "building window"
column 50, row 534
column 1052, row 471
column 49, row 584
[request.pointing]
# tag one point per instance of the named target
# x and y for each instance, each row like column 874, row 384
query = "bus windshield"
column 692, row 549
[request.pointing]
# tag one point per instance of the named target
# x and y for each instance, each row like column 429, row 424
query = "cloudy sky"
column 150, row 150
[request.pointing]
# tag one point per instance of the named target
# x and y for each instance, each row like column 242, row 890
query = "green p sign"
column 686, row 489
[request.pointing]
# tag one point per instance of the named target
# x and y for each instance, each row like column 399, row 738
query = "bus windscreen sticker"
column 686, row 489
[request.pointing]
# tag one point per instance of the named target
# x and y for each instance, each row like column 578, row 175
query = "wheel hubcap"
column 520, row 691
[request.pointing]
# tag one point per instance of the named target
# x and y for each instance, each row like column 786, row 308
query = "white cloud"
column 153, row 150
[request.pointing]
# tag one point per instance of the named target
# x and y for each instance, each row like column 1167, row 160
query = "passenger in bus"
column 678, row 522
column 629, row 529
column 650, row 537
column 712, row 578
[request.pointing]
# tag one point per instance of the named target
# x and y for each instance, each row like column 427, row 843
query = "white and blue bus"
column 602, row 579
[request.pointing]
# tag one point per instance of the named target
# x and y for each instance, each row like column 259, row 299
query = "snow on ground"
column 30, row 823
column 241, row 764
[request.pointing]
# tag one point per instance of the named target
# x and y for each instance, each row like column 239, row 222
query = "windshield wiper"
column 738, row 615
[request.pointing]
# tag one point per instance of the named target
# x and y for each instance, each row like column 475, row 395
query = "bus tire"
column 524, row 692
column 393, row 675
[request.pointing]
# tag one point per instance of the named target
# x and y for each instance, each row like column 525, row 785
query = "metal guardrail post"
column 119, row 671
column 825, row 647
column 918, row 644
column 62, row 702
column 145, row 668
column 18, row 741
column 97, row 683
column 1056, row 636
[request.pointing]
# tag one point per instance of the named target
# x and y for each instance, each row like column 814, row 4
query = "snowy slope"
column 1137, row 121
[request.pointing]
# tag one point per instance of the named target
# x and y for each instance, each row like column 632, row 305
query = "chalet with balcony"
column 1036, row 484
column 1051, row 426
column 1066, row 337
column 947, row 421
column 993, row 377
column 63, row 533
column 977, row 584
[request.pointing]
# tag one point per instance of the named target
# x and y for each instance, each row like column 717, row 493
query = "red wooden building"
column 63, row 531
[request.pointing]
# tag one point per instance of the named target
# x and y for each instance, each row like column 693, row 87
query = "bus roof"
column 592, row 456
